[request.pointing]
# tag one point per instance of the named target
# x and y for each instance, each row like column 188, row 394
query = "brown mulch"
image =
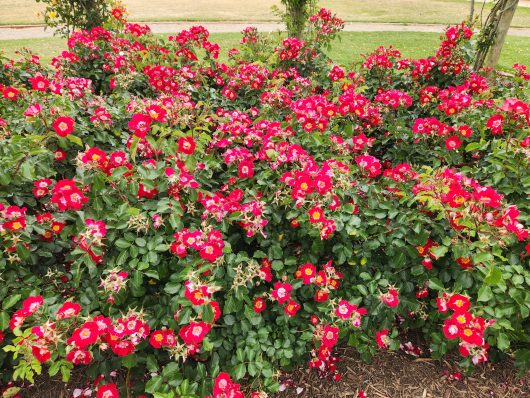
column 397, row 375
column 53, row 387
column 390, row 375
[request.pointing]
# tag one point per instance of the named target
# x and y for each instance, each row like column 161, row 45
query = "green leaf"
column 122, row 244
column 172, row 287
column 130, row 361
column 494, row 276
column 76, row 140
column 482, row 257
column 10, row 301
column 418, row 269
column 4, row 320
column 484, row 293
column 171, row 370
column 170, row 394
column 240, row 355
column 436, row 284
column 363, row 290
column 207, row 345
column 439, row 251
column 266, row 372
column 133, row 149
column 502, row 341
column 154, row 384
column 28, row 171
column 137, row 279
column 54, row 369
column 522, row 359
column 473, row 146
column 133, row 211
column 252, row 369
column 151, row 363
column 66, row 371
column 275, row 252
column 207, row 313
column 240, row 371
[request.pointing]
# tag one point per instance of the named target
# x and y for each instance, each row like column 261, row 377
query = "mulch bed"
column 53, row 387
column 390, row 375
column 397, row 375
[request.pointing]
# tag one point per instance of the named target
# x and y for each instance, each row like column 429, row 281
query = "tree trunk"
column 505, row 21
column 298, row 20
column 472, row 11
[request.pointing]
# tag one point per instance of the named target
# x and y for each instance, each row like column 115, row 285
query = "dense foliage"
column 166, row 218
column 66, row 16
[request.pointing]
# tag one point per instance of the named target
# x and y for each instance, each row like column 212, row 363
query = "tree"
column 68, row 15
column 493, row 33
column 296, row 14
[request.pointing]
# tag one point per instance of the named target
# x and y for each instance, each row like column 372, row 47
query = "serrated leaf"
column 154, row 384
column 503, row 342
column 76, row 140
column 10, row 301
column 436, row 284
column 485, row 294
column 240, row 371
column 27, row 170
column 207, row 313
column 4, row 320
column 439, row 251
column 494, row 276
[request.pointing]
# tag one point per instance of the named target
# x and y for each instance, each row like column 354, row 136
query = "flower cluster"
column 394, row 99
column 325, row 23
column 290, row 48
column 464, row 326
column 466, row 200
column 451, row 61
column 313, row 113
column 67, row 196
column 225, row 387
column 114, row 282
column 209, row 245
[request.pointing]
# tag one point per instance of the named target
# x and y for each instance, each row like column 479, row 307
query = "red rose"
column 186, row 145
column 63, row 126
column 259, row 305
column 246, row 169
column 108, row 391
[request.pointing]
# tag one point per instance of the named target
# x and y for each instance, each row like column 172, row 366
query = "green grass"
column 403, row 11
column 45, row 48
column 345, row 50
column 415, row 45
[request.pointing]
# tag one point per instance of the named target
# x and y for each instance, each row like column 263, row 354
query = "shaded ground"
column 397, row 375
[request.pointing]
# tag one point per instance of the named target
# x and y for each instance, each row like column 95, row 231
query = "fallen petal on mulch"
column 397, row 375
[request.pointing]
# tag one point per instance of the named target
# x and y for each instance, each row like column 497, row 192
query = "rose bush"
column 189, row 223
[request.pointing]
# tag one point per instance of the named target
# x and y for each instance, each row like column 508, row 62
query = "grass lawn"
column 345, row 50
column 404, row 11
